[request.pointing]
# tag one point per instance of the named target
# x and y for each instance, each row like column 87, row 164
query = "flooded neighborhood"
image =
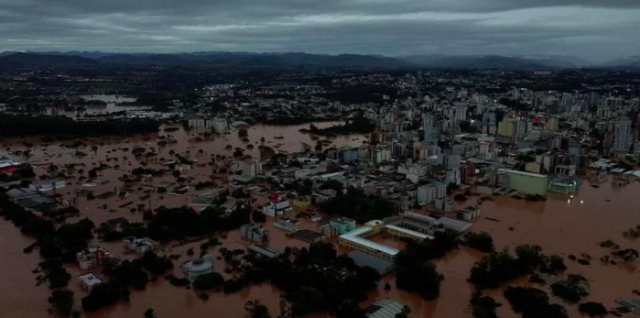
column 301, row 200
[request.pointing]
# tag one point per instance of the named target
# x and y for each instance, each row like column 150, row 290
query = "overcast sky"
column 592, row 29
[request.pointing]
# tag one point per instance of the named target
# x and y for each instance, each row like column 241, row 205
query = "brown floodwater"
column 559, row 225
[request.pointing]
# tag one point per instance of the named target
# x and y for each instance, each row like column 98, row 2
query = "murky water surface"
column 558, row 225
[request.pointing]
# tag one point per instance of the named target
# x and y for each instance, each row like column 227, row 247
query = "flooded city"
column 565, row 225
column 130, row 189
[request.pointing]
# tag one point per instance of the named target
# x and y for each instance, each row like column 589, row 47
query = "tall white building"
column 249, row 167
column 622, row 136
column 489, row 125
column 461, row 112
column 441, row 190
column 430, row 130
column 426, row 194
column 220, row 125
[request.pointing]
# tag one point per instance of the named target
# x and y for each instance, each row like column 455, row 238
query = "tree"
column 421, row 278
column 149, row 313
column 62, row 301
column 593, row 309
column 242, row 133
column 258, row 217
column 553, row 265
column 483, row 306
column 208, row 281
column 406, row 310
column 332, row 184
column 460, row 197
column 572, row 289
column 533, row 302
column 255, row 309
column 480, row 241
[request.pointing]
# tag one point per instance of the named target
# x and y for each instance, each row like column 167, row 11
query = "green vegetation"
column 533, row 303
column 258, row 217
column 62, row 302
column 255, row 309
column 180, row 223
column 316, row 280
column 65, row 127
column 460, row 197
column 482, row 241
column 593, row 309
column 483, row 306
column 177, row 281
column 357, row 125
column 572, row 289
column 333, row 184
column 414, row 272
column 421, row 278
column 104, row 295
column 360, row 207
column 208, row 281
column 150, row 313
column 294, row 120
column 501, row 267
column 632, row 233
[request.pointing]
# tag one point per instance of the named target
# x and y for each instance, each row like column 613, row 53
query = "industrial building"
column 526, row 182
column 409, row 225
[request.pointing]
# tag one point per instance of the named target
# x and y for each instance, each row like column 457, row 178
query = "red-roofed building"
column 8, row 165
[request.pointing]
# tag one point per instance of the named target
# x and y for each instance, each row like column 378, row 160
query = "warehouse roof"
column 523, row 173
column 363, row 259
column 386, row 308
column 354, row 236
column 410, row 232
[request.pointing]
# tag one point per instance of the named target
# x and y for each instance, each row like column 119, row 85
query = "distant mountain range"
column 78, row 58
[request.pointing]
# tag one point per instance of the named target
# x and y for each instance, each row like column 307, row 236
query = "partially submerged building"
column 289, row 225
column 254, row 232
column 277, row 208
column 89, row 281
column 140, row 245
column 386, row 308
column 525, row 182
column 193, row 269
column 92, row 256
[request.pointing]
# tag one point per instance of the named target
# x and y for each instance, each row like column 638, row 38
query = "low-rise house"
column 229, row 205
column 140, row 245
column 287, row 224
column 193, row 269
column 92, row 256
column 276, row 208
column 89, row 281
column 308, row 236
column 7, row 165
column 263, row 250
column 342, row 224
column 48, row 185
column 254, row 232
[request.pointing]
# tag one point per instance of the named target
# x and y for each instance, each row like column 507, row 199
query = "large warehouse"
column 526, row 182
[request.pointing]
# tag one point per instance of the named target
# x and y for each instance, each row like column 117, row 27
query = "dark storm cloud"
column 394, row 27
